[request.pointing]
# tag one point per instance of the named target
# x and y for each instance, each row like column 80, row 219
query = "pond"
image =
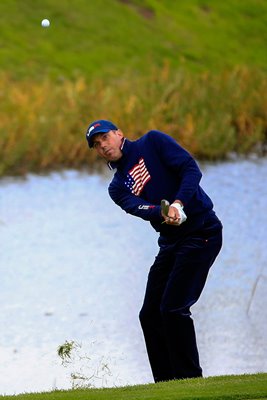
column 74, row 267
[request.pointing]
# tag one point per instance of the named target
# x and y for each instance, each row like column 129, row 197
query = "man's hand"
column 173, row 214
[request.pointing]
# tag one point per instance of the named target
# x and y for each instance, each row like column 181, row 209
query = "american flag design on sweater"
column 137, row 177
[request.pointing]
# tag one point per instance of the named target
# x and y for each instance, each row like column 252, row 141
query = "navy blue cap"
column 100, row 126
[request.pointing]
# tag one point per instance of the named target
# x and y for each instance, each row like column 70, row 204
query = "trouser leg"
column 175, row 283
column 151, row 320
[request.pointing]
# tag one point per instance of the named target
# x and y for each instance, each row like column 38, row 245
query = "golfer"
column 150, row 169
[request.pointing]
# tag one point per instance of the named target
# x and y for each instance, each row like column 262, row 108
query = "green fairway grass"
column 239, row 387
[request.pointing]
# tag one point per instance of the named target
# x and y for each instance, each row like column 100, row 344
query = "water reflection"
column 73, row 267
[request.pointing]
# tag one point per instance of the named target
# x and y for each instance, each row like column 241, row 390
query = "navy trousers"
column 175, row 282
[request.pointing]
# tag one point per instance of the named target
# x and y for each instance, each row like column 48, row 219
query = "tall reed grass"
column 42, row 125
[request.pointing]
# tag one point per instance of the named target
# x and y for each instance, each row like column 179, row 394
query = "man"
column 150, row 169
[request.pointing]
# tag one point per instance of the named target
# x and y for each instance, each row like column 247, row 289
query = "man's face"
column 108, row 145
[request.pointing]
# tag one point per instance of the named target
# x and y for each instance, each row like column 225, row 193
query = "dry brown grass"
column 42, row 126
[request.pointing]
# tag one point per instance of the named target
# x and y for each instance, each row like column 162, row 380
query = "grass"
column 42, row 125
column 194, row 69
column 106, row 38
column 214, row 388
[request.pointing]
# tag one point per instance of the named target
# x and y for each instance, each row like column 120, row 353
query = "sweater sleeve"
column 181, row 162
column 134, row 205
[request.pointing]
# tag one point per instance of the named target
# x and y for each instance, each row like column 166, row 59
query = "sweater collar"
column 125, row 148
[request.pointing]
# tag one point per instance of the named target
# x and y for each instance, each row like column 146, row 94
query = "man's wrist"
column 177, row 204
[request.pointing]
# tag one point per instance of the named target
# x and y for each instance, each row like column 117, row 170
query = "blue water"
column 74, row 267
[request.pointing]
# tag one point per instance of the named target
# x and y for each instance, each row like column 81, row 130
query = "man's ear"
column 119, row 133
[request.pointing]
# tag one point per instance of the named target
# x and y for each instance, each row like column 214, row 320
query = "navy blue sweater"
column 153, row 168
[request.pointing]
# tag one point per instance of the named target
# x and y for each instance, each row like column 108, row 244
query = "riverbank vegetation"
column 42, row 125
column 196, row 70
column 238, row 387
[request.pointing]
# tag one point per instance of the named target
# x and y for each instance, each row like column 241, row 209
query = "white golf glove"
column 182, row 214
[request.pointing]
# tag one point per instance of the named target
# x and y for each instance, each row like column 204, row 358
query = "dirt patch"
column 145, row 11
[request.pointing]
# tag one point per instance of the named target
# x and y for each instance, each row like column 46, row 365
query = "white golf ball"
column 45, row 23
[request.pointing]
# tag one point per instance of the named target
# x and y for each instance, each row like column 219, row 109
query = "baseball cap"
column 100, row 126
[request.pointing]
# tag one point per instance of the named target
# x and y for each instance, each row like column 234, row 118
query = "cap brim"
column 90, row 137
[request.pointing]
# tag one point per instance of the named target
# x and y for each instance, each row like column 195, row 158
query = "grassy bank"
column 196, row 70
column 239, row 387
column 105, row 38
column 42, row 125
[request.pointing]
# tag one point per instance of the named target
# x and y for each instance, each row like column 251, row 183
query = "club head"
column 165, row 207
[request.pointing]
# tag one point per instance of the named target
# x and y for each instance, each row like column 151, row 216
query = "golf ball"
column 45, row 23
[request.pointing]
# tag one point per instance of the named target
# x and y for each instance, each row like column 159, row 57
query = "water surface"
column 74, row 267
